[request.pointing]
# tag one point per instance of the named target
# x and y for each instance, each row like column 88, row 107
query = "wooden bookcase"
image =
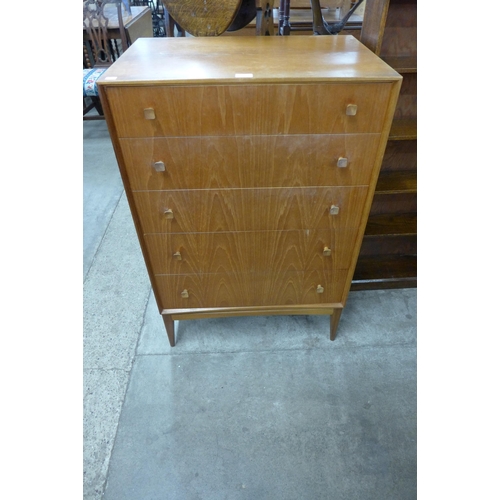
column 388, row 256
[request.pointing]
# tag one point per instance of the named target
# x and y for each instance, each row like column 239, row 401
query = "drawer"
column 181, row 111
column 214, row 210
column 228, row 252
column 249, row 289
column 249, row 161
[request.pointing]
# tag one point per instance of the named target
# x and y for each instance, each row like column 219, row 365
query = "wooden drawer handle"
column 177, row 256
column 319, row 289
column 159, row 166
column 351, row 109
column 327, row 252
column 342, row 162
column 149, row 114
column 185, row 294
column 169, row 214
column 334, row 210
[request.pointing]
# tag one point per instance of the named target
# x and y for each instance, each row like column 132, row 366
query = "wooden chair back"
column 101, row 49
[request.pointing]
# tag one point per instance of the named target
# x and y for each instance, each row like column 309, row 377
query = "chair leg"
column 98, row 105
column 95, row 103
column 87, row 107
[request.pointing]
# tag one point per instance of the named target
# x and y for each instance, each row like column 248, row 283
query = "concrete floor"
column 242, row 408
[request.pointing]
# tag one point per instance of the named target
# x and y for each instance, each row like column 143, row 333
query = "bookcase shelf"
column 388, row 256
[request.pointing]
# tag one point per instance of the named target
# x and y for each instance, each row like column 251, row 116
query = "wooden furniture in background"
column 249, row 164
column 264, row 21
column 301, row 18
column 100, row 49
column 203, row 17
column 137, row 24
column 245, row 14
column 388, row 257
column 253, row 17
column 157, row 14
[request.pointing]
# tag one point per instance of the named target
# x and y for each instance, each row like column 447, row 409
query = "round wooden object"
column 203, row 17
column 245, row 15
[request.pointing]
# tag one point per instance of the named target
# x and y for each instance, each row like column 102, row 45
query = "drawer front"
column 207, row 211
column 230, row 252
column 249, row 161
column 249, row 289
column 180, row 111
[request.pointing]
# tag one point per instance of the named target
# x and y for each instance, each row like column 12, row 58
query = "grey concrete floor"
column 242, row 408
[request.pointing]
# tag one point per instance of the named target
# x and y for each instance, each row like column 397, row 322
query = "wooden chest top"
column 191, row 60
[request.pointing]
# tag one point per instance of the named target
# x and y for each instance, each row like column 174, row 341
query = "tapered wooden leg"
column 169, row 325
column 334, row 322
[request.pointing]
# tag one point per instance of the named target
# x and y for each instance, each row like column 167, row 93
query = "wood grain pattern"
column 392, row 224
column 385, row 271
column 400, row 34
column 390, row 29
column 388, row 253
column 269, row 59
column 389, row 246
column 388, row 260
column 253, row 251
column 399, row 156
column 407, row 102
column 250, row 168
column 374, row 20
column 393, row 203
column 162, row 247
column 404, row 129
column 249, row 161
column 203, row 17
column 211, row 210
column 402, row 64
column 397, row 182
column 250, row 289
column 399, row 40
column 248, row 109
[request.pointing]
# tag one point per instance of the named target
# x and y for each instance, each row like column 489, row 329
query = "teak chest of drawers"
column 249, row 164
